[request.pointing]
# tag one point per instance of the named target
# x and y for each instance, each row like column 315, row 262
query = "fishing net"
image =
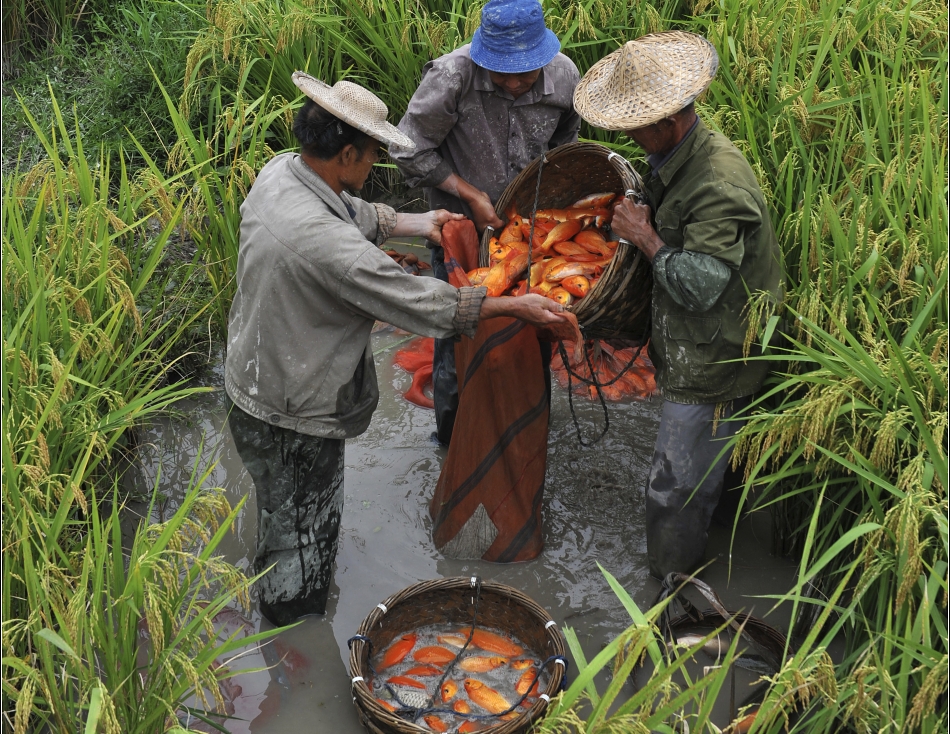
column 619, row 372
column 487, row 503
column 416, row 358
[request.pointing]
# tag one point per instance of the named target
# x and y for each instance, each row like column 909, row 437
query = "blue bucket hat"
column 512, row 38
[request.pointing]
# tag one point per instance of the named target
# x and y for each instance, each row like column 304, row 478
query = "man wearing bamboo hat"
column 479, row 116
column 311, row 281
column 708, row 235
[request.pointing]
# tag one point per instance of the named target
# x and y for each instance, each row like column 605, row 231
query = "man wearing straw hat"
column 479, row 116
column 311, row 281
column 707, row 232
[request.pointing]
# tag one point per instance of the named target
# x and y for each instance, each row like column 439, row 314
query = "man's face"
column 357, row 164
column 656, row 138
column 515, row 84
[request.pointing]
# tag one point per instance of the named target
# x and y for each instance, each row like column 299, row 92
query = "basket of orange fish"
column 456, row 655
column 607, row 284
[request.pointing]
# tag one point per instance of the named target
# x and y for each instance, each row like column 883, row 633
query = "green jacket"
column 720, row 248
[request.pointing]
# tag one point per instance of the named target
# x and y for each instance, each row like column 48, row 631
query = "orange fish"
column 461, row 707
column 595, row 245
column 493, row 642
column 386, row 705
column 560, row 295
column 470, row 726
column 401, row 680
column 511, row 233
column 482, row 664
column 563, row 231
column 423, row 671
column 591, row 237
column 552, row 263
column 522, row 664
column 448, row 690
column 397, row 651
column 566, row 270
column 506, row 273
column 744, row 724
column 453, row 640
column 528, row 682
column 509, row 717
column 537, row 273
column 435, row 723
column 576, row 285
column 569, row 248
column 477, row 277
column 433, row 654
column 594, row 201
column 486, row 697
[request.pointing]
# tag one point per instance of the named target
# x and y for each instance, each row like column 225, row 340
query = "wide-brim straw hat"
column 354, row 105
column 646, row 80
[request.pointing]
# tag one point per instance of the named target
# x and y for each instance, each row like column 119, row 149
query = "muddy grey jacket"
column 311, row 281
column 720, row 248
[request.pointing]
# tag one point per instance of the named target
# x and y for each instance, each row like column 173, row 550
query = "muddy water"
column 593, row 513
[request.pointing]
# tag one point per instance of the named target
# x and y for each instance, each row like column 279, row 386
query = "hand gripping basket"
column 451, row 601
column 618, row 306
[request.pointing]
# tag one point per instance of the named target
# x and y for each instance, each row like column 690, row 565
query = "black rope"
column 534, row 215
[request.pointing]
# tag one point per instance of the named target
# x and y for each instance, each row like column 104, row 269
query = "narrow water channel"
column 593, row 513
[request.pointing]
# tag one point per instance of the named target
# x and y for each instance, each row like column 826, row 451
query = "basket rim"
column 363, row 697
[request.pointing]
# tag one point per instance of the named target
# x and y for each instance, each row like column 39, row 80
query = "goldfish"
column 594, row 244
column 386, row 705
column 528, row 682
column 566, row 270
column 493, row 642
column 435, row 723
column 568, row 248
column 566, row 215
column 461, row 707
column 448, row 690
column 486, row 697
column 537, row 273
column 470, row 726
column 511, row 233
column 563, row 231
column 576, row 285
column 453, row 640
column 423, row 671
column 401, row 680
column 561, row 296
column 594, row 201
column 522, row 664
column 482, row 664
column 506, row 273
column 433, row 654
column 551, row 264
column 416, row 392
column 478, row 275
column 395, row 654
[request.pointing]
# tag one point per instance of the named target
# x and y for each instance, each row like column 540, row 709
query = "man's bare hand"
column 532, row 308
column 483, row 212
column 428, row 225
column 632, row 222
column 436, row 219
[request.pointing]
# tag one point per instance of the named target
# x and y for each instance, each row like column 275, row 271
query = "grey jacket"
column 310, row 283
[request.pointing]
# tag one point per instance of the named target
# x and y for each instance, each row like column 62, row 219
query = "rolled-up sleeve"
column 431, row 114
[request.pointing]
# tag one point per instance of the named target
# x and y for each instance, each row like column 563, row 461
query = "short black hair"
column 322, row 135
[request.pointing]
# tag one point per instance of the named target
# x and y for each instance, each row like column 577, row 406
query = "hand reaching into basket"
column 632, row 222
column 483, row 211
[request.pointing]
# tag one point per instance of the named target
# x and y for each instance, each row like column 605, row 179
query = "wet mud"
column 593, row 513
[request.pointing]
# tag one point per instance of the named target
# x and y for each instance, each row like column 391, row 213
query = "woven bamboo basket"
column 618, row 306
column 450, row 601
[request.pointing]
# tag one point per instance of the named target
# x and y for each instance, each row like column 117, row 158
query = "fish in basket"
column 557, row 242
column 456, row 655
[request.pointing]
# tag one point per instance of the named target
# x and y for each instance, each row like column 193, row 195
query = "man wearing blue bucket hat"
column 480, row 115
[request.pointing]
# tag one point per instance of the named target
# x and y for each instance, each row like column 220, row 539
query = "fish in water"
column 471, row 726
column 713, row 647
column 402, row 680
column 448, row 690
column 435, row 723
column 461, row 707
column 482, row 663
column 413, row 699
column 397, row 651
column 522, row 664
column 433, row 654
column 486, row 697
column 292, row 660
column 423, row 671
column 386, row 705
column 493, row 642
column 528, row 683
column 453, row 640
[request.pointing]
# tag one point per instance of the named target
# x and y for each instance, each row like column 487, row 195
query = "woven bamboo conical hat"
column 646, row 80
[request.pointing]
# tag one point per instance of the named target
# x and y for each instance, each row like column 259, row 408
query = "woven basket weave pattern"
column 449, row 601
column 618, row 306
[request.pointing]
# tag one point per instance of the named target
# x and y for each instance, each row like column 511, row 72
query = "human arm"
column 483, row 211
column 428, row 224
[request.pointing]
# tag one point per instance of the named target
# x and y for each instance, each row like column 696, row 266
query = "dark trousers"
column 685, row 483
column 445, row 386
column 298, row 484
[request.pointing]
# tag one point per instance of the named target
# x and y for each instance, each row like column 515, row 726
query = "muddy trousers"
column 686, row 449
column 298, row 482
column 445, row 386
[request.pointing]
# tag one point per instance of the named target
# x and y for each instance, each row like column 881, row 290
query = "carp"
column 528, row 682
column 566, row 270
column 470, row 726
column 454, row 640
column 576, row 285
column 563, row 231
column 482, row 663
column 561, row 296
column 401, row 680
column 397, row 651
column 505, row 274
column 435, row 723
column 433, row 654
column 591, row 241
column 522, row 664
column 493, row 642
column 486, row 697
column 594, row 201
column 570, row 249
column 461, row 707
column 478, row 275
column 423, row 671
column 511, row 232
column 448, row 690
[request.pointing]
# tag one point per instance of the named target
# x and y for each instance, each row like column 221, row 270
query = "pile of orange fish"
column 492, row 675
column 569, row 252
column 637, row 382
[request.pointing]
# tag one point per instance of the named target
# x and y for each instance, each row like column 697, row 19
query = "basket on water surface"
column 618, row 306
column 450, row 601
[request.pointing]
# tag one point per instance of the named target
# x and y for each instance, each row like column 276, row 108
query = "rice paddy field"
column 132, row 131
